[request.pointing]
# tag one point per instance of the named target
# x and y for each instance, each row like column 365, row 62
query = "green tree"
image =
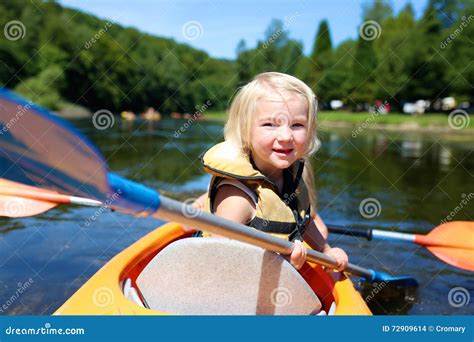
column 277, row 52
column 104, row 65
column 378, row 10
column 449, row 11
column 334, row 83
column 460, row 54
column 425, row 65
column 323, row 43
column 290, row 54
column 303, row 69
column 44, row 88
column 393, row 49
column 362, row 81
column 321, row 54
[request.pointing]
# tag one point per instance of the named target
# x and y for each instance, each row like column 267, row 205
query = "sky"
column 217, row 26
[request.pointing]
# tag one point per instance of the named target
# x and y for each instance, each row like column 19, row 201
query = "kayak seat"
column 217, row 276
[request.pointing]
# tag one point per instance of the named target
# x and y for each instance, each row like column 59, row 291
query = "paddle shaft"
column 370, row 233
column 172, row 210
column 378, row 234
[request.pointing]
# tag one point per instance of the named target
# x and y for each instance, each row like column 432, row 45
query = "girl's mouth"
column 283, row 151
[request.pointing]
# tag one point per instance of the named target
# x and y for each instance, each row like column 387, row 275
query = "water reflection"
column 385, row 298
column 411, row 149
column 445, row 157
column 150, row 153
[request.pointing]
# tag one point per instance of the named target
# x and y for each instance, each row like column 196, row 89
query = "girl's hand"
column 341, row 257
column 298, row 255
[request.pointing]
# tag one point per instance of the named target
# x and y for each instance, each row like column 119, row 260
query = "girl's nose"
column 284, row 133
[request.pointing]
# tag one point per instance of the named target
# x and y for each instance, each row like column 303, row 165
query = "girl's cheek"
column 301, row 138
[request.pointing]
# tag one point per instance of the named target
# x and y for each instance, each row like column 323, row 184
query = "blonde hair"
column 243, row 110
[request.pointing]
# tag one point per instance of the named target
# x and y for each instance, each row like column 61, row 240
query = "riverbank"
column 437, row 123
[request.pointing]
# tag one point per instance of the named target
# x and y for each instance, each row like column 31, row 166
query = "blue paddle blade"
column 37, row 148
column 382, row 277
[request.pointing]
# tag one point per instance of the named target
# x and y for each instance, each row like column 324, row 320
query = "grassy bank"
column 372, row 120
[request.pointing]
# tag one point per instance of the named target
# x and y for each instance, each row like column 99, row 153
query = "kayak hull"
column 102, row 294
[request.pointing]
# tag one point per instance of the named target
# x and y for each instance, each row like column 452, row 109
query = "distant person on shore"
column 151, row 114
column 128, row 115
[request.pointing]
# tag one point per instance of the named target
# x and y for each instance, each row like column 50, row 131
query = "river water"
column 400, row 181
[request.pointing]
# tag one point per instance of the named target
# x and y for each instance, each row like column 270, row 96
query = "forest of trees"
column 67, row 56
column 407, row 60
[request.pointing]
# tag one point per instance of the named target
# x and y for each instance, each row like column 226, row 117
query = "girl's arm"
column 233, row 204
column 321, row 226
column 230, row 203
column 316, row 236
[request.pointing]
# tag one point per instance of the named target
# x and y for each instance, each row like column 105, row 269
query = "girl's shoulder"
column 235, row 202
column 252, row 195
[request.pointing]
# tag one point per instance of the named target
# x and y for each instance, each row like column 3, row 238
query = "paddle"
column 46, row 151
column 452, row 242
column 19, row 200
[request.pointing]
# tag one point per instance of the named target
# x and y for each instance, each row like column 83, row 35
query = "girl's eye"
column 298, row 125
column 267, row 124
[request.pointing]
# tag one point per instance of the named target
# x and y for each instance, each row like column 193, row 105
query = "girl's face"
column 279, row 134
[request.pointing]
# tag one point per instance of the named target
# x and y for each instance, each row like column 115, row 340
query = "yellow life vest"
column 285, row 213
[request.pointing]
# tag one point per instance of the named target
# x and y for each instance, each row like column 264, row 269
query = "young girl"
column 262, row 175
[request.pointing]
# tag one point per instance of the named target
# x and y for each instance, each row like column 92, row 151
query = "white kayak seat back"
column 131, row 293
column 217, row 276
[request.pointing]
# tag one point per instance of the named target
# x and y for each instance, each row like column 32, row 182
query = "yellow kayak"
column 169, row 272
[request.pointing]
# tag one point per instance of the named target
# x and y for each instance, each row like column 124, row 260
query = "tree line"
column 56, row 55
column 396, row 58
